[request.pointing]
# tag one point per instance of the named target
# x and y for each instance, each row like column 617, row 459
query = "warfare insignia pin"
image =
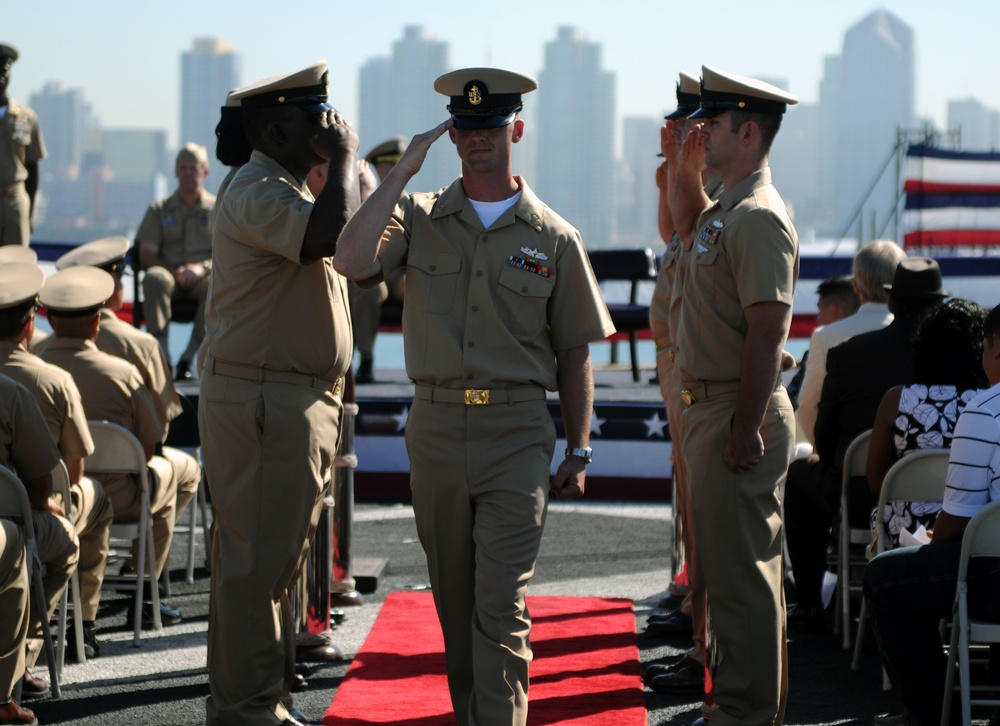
column 702, row 248
column 534, row 254
column 718, row 224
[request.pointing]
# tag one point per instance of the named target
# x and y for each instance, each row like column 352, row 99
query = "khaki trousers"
column 670, row 388
column 738, row 524
column 59, row 551
column 480, row 481
column 187, row 472
column 159, row 290
column 268, row 450
column 15, row 218
column 13, row 605
column 92, row 518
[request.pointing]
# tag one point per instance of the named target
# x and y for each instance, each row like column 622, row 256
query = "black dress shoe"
column 687, row 678
column 806, row 619
column 675, row 625
column 168, row 615
column 659, row 669
column 366, row 371
column 91, row 648
column 670, row 602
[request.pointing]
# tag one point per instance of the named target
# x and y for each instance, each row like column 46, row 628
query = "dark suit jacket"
column 859, row 371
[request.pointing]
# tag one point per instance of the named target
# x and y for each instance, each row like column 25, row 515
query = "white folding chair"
column 855, row 464
column 14, row 505
column 918, row 477
column 118, row 451
column 60, row 485
column 981, row 539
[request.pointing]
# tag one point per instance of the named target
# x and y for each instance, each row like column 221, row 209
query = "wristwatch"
column 586, row 454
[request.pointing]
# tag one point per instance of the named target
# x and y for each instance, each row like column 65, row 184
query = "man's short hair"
column 769, row 123
column 839, row 289
column 874, row 267
column 12, row 319
column 991, row 326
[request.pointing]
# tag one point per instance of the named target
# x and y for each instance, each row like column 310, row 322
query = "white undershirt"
column 489, row 212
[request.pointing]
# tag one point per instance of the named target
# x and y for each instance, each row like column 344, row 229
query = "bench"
column 633, row 266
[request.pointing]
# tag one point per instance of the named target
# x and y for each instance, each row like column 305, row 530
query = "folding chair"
column 60, row 484
column 981, row 539
column 184, row 434
column 118, row 451
column 918, row 477
column 855, row 464
column 14, row 505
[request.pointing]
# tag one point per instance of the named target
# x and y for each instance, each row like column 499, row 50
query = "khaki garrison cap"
column 107, row 253
column 484, row 98
column 688, row 96
column 722, row 91
column 308, row 88
column 8, row 53
column 19, row 283
column 388, row 152
column 77, row 290
column 17, row 253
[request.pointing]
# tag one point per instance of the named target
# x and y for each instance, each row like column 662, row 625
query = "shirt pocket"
column 522, row 302
column 705, row 254
column 431, row 280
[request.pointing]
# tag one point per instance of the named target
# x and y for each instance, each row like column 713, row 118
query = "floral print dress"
column 926, row 420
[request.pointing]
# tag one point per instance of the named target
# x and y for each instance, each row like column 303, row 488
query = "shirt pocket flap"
column 433, row 262
column 524, row 283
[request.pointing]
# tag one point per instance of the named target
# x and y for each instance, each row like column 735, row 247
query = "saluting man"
column 270, row 410
column 501, row 305
column 739, row 425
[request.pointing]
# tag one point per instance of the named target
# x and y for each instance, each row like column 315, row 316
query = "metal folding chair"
column 60, row 484
column 855, row 463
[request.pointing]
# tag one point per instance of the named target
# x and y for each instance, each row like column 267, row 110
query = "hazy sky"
column 126, row 55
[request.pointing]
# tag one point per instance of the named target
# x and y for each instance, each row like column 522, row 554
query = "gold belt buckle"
column 687, row 397
column 672, row 355
column 476, row 397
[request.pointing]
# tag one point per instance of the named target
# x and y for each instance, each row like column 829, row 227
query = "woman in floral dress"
column 947, row 363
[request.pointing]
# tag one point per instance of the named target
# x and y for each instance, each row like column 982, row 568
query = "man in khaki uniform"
column 27, row 448
column 118, row 338
column 738, row 426
column 501, row 306
column 270, row 409
column 175, row 245
column 688, row 674
column 13, row 621
column 21, row 147
column 61, row 406
column 112, row 390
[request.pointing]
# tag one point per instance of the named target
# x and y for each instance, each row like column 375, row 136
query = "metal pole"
column 343, row 584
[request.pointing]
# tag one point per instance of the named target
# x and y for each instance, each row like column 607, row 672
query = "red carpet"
column 585, row 670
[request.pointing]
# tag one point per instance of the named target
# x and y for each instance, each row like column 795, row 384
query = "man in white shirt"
column 874, row 267
column 909, row 590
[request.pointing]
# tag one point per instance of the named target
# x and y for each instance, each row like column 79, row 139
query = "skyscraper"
column 875, row 98
column 397, row 97
column 980, row 126
column 575, row 111
column 64, row 118
column 208, row 73
column 639, row 199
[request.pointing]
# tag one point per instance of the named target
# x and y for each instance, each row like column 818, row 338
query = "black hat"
column 308, row 88
column 722, row 91
column 917, row 278
column 688, row 97
column 8, row 54
column 484, row 98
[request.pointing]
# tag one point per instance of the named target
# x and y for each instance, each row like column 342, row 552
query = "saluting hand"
column 691, row 156
column 336, row 137
column 416, row 152
column 366, row 179
column 670, row 145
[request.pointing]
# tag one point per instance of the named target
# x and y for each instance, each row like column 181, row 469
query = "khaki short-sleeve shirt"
column 745, row 251
column 267, row 306
column 111, row 388
column 488, row 308
column 57, row 397
column 26, row 446
column 118, row 338
column 21, row 143
column 181, row 233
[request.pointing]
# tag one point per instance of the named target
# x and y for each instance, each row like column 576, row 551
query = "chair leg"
column 50, row 651
column 151, row 563
column 74, row 582
column 61, row 631
column 859, row 640
column 140, row 579
column 949, row 676
column 633, row 349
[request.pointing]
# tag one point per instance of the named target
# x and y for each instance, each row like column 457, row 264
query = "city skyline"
column 781, row 40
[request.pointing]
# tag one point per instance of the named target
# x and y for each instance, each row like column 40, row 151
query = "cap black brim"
column 708, row 112
column 483, row 122
column 678, row 114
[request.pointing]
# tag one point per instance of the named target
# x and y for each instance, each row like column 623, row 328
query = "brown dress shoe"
column 11, row 712
column 34, row 686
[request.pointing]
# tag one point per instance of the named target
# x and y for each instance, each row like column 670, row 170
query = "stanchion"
column 344, row 590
